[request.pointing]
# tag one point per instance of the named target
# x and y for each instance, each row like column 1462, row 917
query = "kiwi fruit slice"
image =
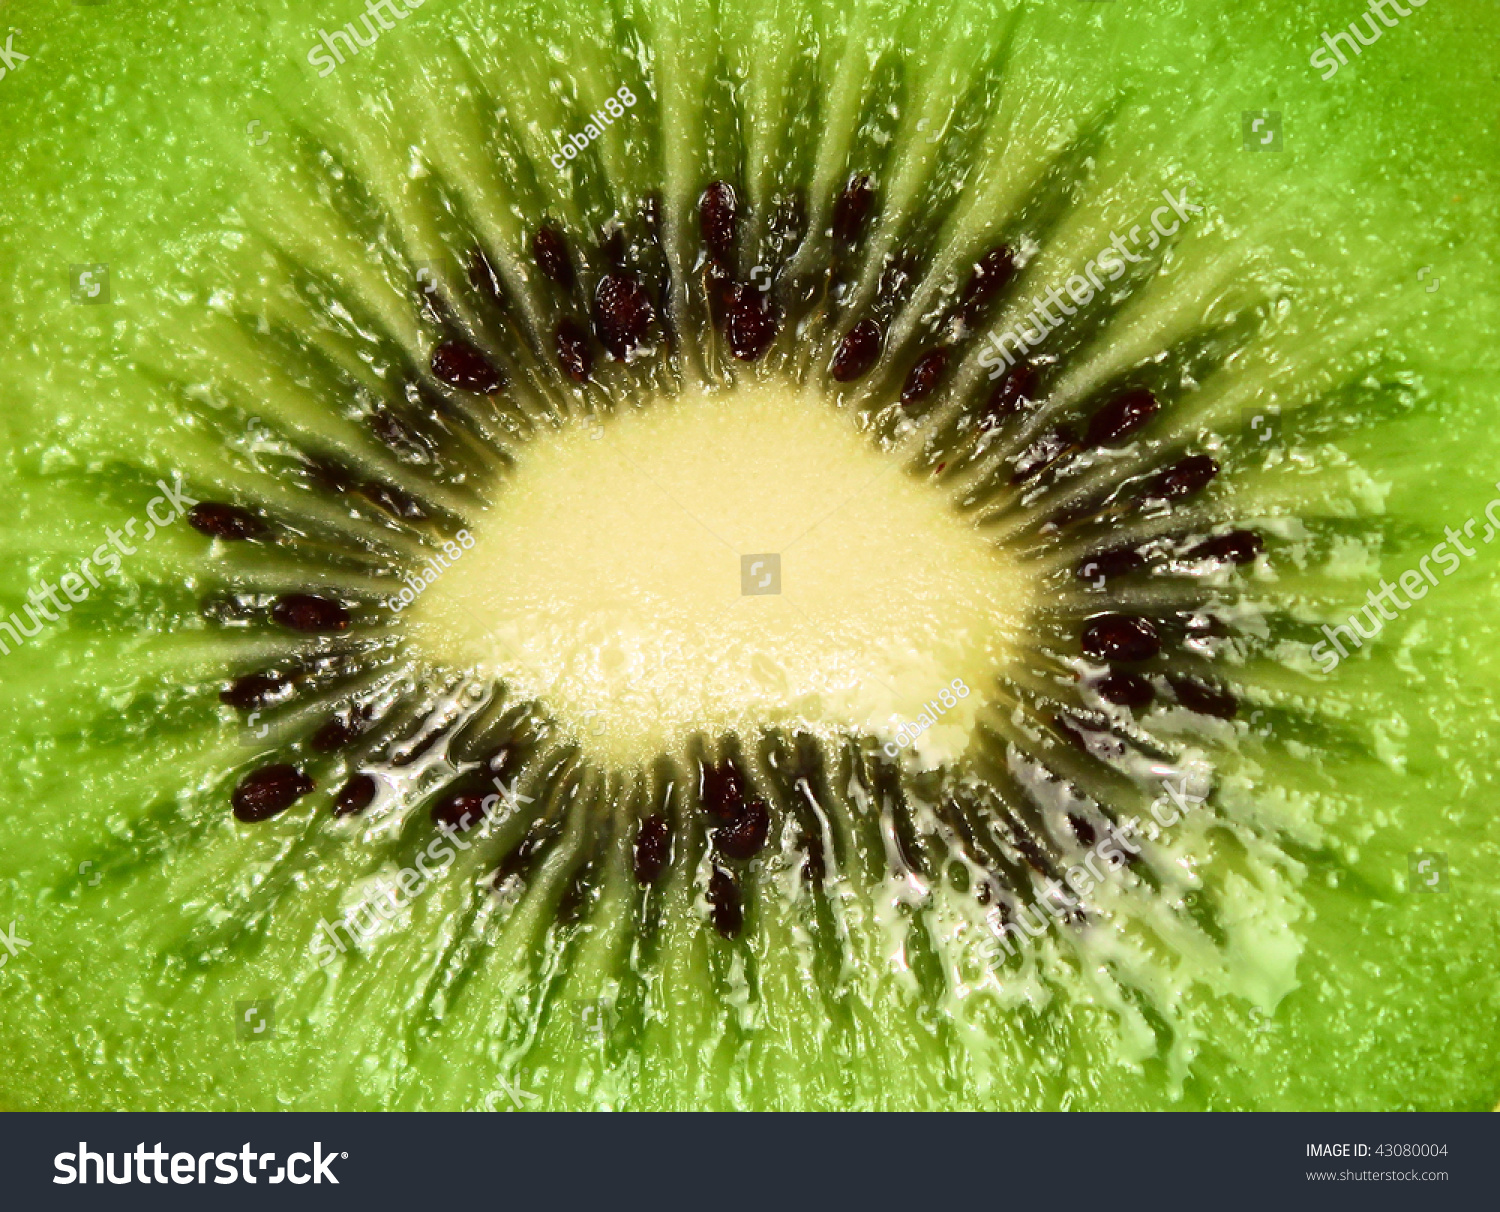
column 747, row 556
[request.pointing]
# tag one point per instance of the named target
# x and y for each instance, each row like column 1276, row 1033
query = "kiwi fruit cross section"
column 789, row 608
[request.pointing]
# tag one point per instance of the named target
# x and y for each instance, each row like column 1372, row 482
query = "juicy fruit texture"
column 1147, row 857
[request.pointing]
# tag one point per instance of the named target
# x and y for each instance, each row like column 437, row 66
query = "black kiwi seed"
column 622, row 314
column 717, row 213
column 724, row 897
column 745, row 836
column 750, row 325
column 857, row 351
column 263, row 793
column 1125, row 689
column 1124, row 415
column 922, row 378
column 1115, row 562
column 309, row 613
column 653, row 849
column 336, row 733
column 461, row 811
column 220, row 521
column 722, row 791
column 991, row 272
column 551, row 253
column 355, row 795
column 851, row 210
column 1011, row 390
column 573, row 350
column 1204, row 698
column 459, row 364
column 1120, row 637
column 255, row 690
column 1238, row 547
column 330, row 475
column 1183, row 478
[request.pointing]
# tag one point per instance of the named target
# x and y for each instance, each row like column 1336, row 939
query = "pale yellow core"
column 610, row 578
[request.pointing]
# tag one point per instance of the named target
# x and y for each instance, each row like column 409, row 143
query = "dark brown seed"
column 857, row 351
column 255, row 690
column 271, row 789
column 330, row 475
column 922, row 378
column 337, row 733
column 722, row 791
column 393, row 500
column 851, row 210
column 1121, row 417
column 1204, row 698
column 1238, row 547
column 573, row 350
column 461, row 811
column 744, row 837
column 717, row 212
column 309, row 613
column 551, row 253
column 1009, row 395
column 724, row 896
column 355, row 795
column 1042, row 453
column 220, row 521
column 1116, row 562
column 814, row 868
column 622, row 313
column 1030, row 851
column 1126, row 690
column 991, row 272
column 750, row 324
column 486, row 279
column 1120, row 637
column 653, row 849
column 459, row 364
column 1183, row 478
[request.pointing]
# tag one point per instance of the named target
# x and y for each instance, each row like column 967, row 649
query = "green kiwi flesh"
column 362, row 341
